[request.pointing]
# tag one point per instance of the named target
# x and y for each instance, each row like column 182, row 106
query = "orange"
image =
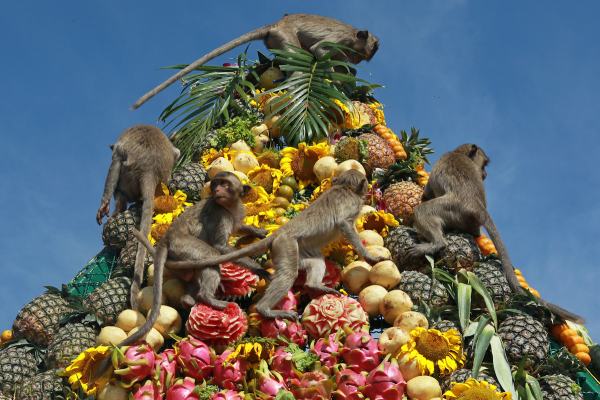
column 558, row 329
column 6, row 335
column 566, row 333
column 579, row 348
column 584, row 358
column 572, row 341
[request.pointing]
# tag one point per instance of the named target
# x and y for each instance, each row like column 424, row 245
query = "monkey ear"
column 364, row 35
column 473, row 150
column 246, row 189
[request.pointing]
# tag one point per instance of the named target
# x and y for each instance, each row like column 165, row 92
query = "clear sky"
column 520, row 78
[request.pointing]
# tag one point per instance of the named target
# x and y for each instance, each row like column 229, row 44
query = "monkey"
column 454, row 199
column 306, row 31
column 297, row 244
column 142, row 158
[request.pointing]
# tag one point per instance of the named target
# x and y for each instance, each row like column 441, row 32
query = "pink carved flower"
column 236, row 281
column 330, row 313
column 217, row 327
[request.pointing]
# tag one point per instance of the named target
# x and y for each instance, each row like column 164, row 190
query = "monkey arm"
column 112, row 178
column 253, row 231
column 350, row 233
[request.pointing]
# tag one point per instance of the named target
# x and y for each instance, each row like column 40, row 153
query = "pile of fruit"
column 446, row 327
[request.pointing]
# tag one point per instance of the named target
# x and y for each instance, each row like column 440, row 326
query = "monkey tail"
column 513, row 282
column 143, row 240
column 254, row 248
column 257, row 34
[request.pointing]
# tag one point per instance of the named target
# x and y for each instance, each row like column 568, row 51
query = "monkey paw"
column 420, row 250
column 268, row 313
column 260, row 233
column 103, row 211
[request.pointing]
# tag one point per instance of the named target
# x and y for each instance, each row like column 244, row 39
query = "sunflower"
column 81, row 370
column 340, row 251
column 267, row 177
column 168, row 203
column 257, row 195
column 351, row 117
column 377, row 109
column 211, row 155
column 379, row 221
column 474, row 389
column 434, row 351
column 325, row 184
column 258, row 214
column 300, row 161
column 253, row 350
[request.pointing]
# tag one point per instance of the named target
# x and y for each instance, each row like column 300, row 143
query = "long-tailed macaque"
column 298, row 243
column 142, row 158
column 454, row 199
column 306, row 31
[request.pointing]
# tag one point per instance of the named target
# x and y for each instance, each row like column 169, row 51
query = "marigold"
column 299, row 162
column 81, row 371
column 379, row 221
column 475, row 389
column 267, row 177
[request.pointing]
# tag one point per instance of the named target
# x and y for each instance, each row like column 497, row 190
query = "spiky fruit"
column 461, row 375
column 559, row 387
column 282, row 362
column 349, row 384
column 149, row 391
column 16, row 364
column 165, row 369
column 291, row 331
column 461, row 251
column 360, row 352
column 189, row 179
column 401, row 198
column 419, row 287
column 126, row 260
column 399, row 241
column 118, row 229
column 327, row 349
column 524, row 336
column 69, row 341
column 229, row 374
column 195, row 358
column 490, row 273
column 136, row 363
column 445, row 325
column 47, row 385
column 270, row 158
column 109, row 299
column 385, row 382
column 350, row 148
column 379, row 152
column 313, row 385
column 183, row 389
column 38, row 321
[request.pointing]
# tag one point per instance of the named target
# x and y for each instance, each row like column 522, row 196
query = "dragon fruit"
column 288, row 303
column 330, row 313
column 361, row 352
column 331, row 279
column 327, row 349
column 184, row 389
column 385, row 382
column 314, row 385
column 195, row 358
column 268, row 382
column 282, row 362
column 292, row 330
column 349, row 384
column 228, row 374
column 147, row 392
column 136, row 363
column 165, row 369
column 227, row 395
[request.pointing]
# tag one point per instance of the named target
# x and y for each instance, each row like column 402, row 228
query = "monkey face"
column 226, row 189
column 366, row 45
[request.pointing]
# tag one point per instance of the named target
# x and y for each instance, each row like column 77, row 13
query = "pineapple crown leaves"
column 402, row 170
column 559, row 361
column 417, row 148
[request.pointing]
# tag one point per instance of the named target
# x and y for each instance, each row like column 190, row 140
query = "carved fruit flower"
column 236, row 281
column 330, row 313
column 217, row 327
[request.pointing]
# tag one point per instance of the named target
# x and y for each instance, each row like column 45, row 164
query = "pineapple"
column 445, row 325
column 461, row 251
column 189, row 179
column 70, row 340
column 560, row 387
column 524, row 336
column 126, row 260
column 490, row 273
column 117, row 230
column 401, row 198
column 399, row 241
column 418, row 287
column 350, row 148
column 269, row 157
column 109, row 299
column 47, row 385
column 16, row 364
column 461, row 375
column 39, row 319
column 379, row 152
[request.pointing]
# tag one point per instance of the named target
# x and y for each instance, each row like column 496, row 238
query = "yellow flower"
column 299, row 162
column 176, row 204
column 351, row 116
column 267, row 177
column 257, row 195
column 434, row 351
column 475, row 389
column 211, row 155
column 340, row 251
column 252, row 351
column 377, row 109
column 325, row 184
column 379, row 221
column 81, row 370
column 271, row 228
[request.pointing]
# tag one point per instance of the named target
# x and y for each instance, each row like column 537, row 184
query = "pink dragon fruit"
column 314, row 385
column 269, row 382
column 282, row 363
column 195, row 358
column 165, row 369
column 136, row 363
column 184, row 389
column 292, row 330
column 385, row 382
column 147, row 392
column 228, row 374
column 361, row 352
column 327, row 349
column 349, row 384
column 227, row 395
column 288, row 303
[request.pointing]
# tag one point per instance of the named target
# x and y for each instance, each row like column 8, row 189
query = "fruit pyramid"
column 444, row 327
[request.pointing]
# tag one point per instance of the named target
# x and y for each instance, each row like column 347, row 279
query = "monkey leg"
column 429, row 220
column 284, row 252
column 110, row 185
column 209, row 279
column 120, row 203
column 315, row 271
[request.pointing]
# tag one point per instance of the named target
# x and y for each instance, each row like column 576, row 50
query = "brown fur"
column 306, row 31
column 298, row 243
column 142, row 158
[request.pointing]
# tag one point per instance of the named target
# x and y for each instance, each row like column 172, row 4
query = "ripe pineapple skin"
column 379, row 152
column 461, row 376
column 523, row 335
column 39, row 319
column 126, row 261
column 559, row 387
column 419, row 287
column 16, row 364
column 109, row 299
column 47, row 385
column 490, row 273
column 401, row 198
column 461, row 251
column 399, row 241
column 69, row 341
column 349, row 148
column 189, row 179
column 118, row 229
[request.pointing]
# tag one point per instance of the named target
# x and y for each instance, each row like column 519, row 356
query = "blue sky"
column 520, row 78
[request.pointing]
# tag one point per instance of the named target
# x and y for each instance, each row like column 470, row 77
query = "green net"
column 97, row 271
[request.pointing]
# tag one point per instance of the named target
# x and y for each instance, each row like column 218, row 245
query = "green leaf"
column 464, row 304
column 535, row 388
column 487, row 298
column 481, row 347
column 501, row 366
